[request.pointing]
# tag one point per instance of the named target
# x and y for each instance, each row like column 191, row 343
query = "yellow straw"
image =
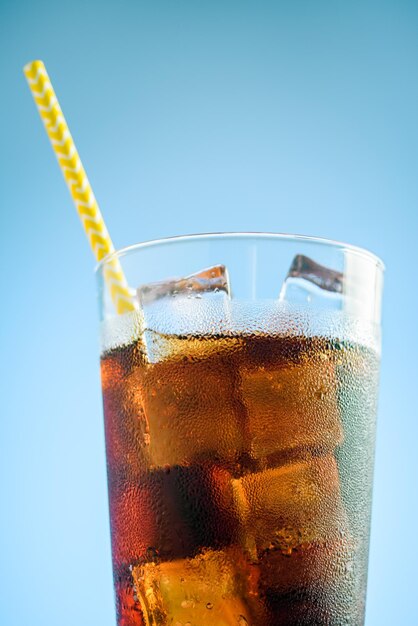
column 78, row 183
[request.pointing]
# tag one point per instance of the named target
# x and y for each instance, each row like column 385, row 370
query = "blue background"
column 292, row 116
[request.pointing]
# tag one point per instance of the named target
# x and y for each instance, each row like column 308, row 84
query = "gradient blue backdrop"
column 293, row 116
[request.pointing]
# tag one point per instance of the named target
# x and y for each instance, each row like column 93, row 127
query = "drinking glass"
column 240, row 404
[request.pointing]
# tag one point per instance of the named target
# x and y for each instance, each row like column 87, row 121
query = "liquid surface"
column 240, row 475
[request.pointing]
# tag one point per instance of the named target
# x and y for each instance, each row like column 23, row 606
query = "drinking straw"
column 78, row 183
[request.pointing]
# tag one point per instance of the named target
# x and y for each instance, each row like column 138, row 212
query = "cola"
column 239, row 472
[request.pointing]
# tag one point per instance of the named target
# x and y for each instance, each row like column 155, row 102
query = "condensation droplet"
column 187, row 604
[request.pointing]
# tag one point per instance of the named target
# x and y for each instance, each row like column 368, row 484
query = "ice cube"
column 289, row 506
column 311, row 566
column 189, row 346
column 317, row 606
column 316, row 584
column 191, row 407
column 307, row 280
column 211, row 281
column 291, row 407
column 178, row 410
column 195, row 305
column 215, row 587
column 125, row 423
column 174, row 512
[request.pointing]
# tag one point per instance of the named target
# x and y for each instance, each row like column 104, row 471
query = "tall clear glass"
column 240, row 405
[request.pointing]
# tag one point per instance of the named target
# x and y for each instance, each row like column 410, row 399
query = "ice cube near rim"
column 213, row 279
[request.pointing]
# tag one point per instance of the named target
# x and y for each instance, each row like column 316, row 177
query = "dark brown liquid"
column 239, row 474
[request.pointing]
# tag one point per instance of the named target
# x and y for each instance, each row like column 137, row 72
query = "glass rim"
column 322, row 241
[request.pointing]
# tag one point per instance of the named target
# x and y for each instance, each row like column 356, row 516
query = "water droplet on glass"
column 187, row 604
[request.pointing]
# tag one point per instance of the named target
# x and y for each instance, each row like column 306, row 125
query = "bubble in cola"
column 238, row 467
